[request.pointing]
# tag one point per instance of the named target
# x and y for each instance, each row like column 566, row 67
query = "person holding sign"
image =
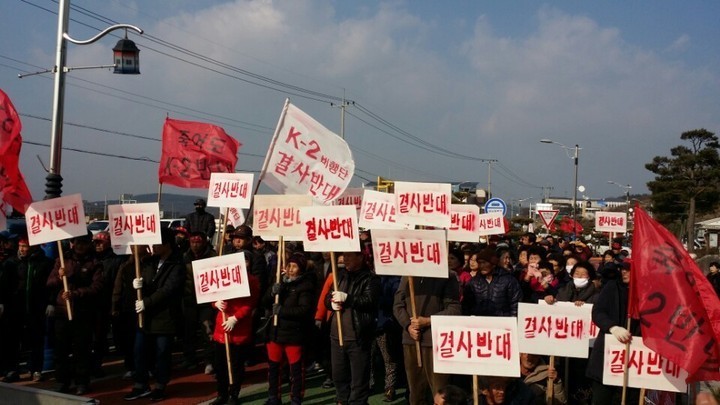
column 162, row 281
column 294, row 312
column 433, row 296
column 74, row 338
column 238, row 329
column 493, row 291
column 357, row 299
column 536, row 373
column 610, row 314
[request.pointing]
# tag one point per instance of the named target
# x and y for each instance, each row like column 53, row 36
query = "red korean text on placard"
column 329, row 228
column 557, row 327
column 54, row 218
column 230, row 189
column 467, row 344
column 642, row 362
column 606, row 220
column 218, row 279
column 423, row 203
column 405, row 251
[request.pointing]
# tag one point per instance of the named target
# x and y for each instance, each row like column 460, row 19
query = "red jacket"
column 242, row 309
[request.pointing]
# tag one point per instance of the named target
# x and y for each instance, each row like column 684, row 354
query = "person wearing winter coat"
column 493, row 291
column 236, row 325
column 294, row 311
column 536, row 373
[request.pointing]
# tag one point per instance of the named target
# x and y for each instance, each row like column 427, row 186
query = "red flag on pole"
column 193, row 150
column 678, row 309
column 13, row 189
column 568, row 225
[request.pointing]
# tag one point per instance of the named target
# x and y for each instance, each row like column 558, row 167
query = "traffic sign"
column 548, row 217
column 495, row 205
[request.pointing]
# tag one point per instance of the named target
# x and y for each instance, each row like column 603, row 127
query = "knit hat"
column 300, row 260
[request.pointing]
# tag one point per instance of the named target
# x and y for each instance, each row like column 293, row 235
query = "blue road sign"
column 495, row 205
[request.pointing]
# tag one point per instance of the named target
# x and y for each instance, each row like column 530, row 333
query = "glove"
column 339, row 296
column 276, row 309
column 139, row 306
column 229, row 324
column 621, row 334
column 50, row 311
column 336, row 306
column 221, row 305
column 137, row 283
column 276, row 289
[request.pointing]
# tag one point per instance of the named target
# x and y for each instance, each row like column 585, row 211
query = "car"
column 98, row 226
column 172, row 223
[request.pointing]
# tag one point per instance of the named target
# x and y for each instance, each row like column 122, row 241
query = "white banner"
column 562, row 329
column 307, row 158
column 378, row 211
column 464, row 223
column 230, row 190
column 236, row 217
column 423, row 203
column 220, row 278
column 55, row 219
column 475, row 345
column 279, row 215
column 492, row 223
column 330, row 228
column 135, row 224
column 646, row 368
column 610, row 222
column 421, row 253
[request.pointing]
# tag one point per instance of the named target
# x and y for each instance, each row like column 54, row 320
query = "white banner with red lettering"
column 464, row 221
column 220, row 278
column 491, row 223
column 55, row 219
column 646, row 368
column 378, row 211
column 400, row 252
column 562, row 329
column 230, row 190
column 423, row 203
column 475, row 345
column 610, row 222
column 135, row 224
column 236, row 217
column 307, row 158
column 351, row 196
column 279, row 215
column 331, row 228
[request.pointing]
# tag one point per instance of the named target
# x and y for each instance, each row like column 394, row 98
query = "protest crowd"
column 379, row 324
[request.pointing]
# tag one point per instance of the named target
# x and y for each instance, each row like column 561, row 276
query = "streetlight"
column 576, row 150
column 519, row 200
column 126, row 61
column 627, row 195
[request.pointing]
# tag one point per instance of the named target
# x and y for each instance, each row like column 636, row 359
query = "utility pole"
column 489, row 163
column 342, row 106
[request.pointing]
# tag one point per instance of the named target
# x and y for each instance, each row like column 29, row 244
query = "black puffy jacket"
column 295, row 319
column 499, row 297
column 363, row 290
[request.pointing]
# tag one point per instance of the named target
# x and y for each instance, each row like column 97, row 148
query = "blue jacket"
column 499, row 297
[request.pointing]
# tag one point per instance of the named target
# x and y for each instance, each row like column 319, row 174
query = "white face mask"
column 580, row 282
column 569, row 267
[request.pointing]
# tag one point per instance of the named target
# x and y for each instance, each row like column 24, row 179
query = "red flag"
column 11, row 125
column 678, row 309
column 13, row 189
column 568, row 225
column 193, row 150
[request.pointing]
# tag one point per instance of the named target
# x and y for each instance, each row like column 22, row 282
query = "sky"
column 468, row 81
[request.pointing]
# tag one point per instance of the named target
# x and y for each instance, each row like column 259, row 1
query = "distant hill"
column 171, row 205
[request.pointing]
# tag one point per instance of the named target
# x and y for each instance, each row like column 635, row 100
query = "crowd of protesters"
column 293, row 322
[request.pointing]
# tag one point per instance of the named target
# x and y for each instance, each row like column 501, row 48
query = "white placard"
column 55, row 219
column 646, row 369
column 464, row 223
column 351, row 196
column 400, row 252
column 279, row 215
column 562, row 329
column 423, row 203
column 331, row 228
column 236, row 216
column 134, row 224
column 220, row 278
column 378, row 211
column 492, row 223
column 230, row 190
column 610, row 222
column 475, row 345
